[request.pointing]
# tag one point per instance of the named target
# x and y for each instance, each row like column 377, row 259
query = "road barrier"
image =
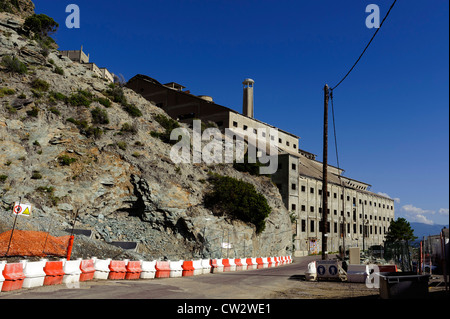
column 34, row 273
column 175, row 268
column 206, row 266
column 198, row 268
column 13, row 274
column 162, row 269
column 148, row 270
column 117, row 270
column 72, row 271
column 101, row 268
column 357, row 273
column 188, row 268
column 27, row 274
column 87, row 270
column 2, row 279
column 54, row 273
column 133, row 269
column 217, row 265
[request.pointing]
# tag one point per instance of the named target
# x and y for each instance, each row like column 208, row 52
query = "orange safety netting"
column 33, row 243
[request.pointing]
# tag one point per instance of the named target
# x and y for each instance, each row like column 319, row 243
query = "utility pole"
column 325, row 176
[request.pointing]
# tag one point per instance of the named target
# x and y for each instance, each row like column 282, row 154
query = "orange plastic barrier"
column 226, row 264
column 87, row 270
column 14, row 277
column 239, row 265
column 249, row 262
column 33, row 243
column 260, row 263
column 54, row 273
column 188, row 268
column 387, row 268
column 133, row 270
column 117, row 270
column 162, row 269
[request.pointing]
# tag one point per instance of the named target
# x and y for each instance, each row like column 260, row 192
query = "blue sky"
column 392, row 112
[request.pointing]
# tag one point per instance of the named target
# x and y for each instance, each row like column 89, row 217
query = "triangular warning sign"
column 26, row 212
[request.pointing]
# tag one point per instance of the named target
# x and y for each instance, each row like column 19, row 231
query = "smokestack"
column 247, row 107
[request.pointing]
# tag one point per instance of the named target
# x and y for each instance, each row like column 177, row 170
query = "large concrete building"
column 356, row 216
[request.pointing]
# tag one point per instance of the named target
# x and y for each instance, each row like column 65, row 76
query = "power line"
column 365, row 47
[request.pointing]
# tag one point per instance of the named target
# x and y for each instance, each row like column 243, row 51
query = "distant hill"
column 421, row 229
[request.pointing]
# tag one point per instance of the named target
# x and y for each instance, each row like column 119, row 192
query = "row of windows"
column 312, row 190
column 368, row 230
column 245, row 128
column 370, row 216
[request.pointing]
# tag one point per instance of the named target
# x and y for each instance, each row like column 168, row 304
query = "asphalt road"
column 244, row 284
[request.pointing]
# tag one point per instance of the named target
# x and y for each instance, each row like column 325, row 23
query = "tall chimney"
column 247, row 107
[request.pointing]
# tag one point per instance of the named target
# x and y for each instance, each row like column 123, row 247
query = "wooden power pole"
column 325, row 177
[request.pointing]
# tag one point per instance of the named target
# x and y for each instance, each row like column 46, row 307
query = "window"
column 303, row 208
column 303, row 188
column 335, row 212
column 280, row 141
column 287, row 143
column 235, row 124
column 245, row 127
column 294, row 166
column 295, row 146
column 294, row 187
column 311, row 190
column 293, row 207
column 320, row 192
column 335, row 195
column 255, row 131
column 303, row 225
column 335, row 228
column 311, row 226
column 354, row 228
column 311, row 209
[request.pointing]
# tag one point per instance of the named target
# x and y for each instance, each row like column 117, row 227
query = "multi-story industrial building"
column 356, row 216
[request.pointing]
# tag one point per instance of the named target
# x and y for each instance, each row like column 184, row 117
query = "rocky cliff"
column 67, row 148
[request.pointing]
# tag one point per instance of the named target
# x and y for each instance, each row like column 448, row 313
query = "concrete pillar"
column 247, row 107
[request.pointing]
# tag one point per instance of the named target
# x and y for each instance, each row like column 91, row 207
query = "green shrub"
column 100, row 116
column 41, row 25
column 58, row 70
column 66, row 160
column 36, row 175
column 40, row 85
column 6, row 91
column 79, row 99
column 132, row 110
column 104, row 101
column 33, row 112
column 168, row 124
column 3, row 178
column 91, row 131
column 14, row 65
column 238, row 199
column 122, row 145
column 58, row 96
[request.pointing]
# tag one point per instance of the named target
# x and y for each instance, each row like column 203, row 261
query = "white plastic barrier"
column 357, row 273
column 232, row 264
column 72, row 271
column 101, row 268
column 198, row 268
column 34, row 273
column 176, row 269
column 206, row 267
column 244, row 263
column 2, row 279
column 265, row 262
column 219, row 267
column 311, row 273
column 148, row 269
